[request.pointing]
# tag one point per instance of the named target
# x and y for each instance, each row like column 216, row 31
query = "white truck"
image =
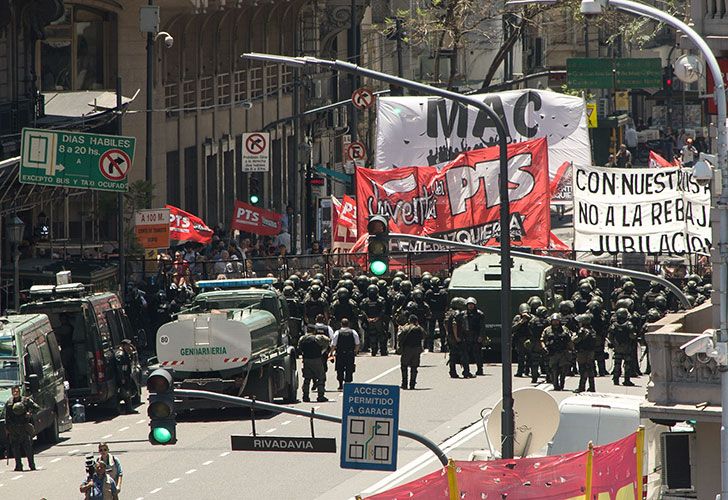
column 231, row 341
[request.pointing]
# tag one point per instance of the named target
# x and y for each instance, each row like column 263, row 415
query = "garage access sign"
column 76, row 160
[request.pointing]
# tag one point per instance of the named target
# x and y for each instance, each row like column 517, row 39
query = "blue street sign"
column 369, row 428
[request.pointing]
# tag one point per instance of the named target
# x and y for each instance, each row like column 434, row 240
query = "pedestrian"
column 623, row 158
column 344, row 348
column 688, row 153
column 631, row 139
column 113, row 465
column 312, row 347
column 410, row 343
column 100, row 485
column 19, row 427
column 585, row 341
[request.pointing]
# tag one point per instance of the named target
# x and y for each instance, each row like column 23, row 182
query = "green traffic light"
column 378, row 267
column 161, row 435
column 254, row 199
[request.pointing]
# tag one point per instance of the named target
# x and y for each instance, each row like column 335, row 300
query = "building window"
column 76, row 53
column 173, row 191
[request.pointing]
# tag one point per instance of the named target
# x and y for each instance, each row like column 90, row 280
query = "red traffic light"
column 159, row 382
column 669, row 82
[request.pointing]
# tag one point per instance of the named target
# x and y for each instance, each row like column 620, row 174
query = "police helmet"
column 585, row 287
column 362, row 280
column 347, row 276
column 373, row 280
column 406, row 286
column 343, row 293
column 320, row 277
column 401, row 275
column 624, row 279
column 692, row 285
column 315, row 291
column 594, row 306
column 317, row 282
column 541, row 311
column 290, row 283
column 622, row 315
column 435, row 282
column 655, row 286
column 396, row 282
column 566, row 307
column 584, row 319
column 534, row 301
column 19, row 408
column 471, row 300
column 372, row 290
column 691, row 299
column 661, row 301
column 446, row 283
column 411, row 305
column 418, row 294
column 597, row 298
column 348, row 284
column 382, row 285
column 524, row 308
column 628, row 286
column 653, row 314
column 555, row 318
column 289, row 292
column 426, row 280
column 694, row 277
column 457, row 303
column 296, row 280
column 625, row 303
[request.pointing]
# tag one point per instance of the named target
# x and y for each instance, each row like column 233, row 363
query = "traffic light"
column 378, row 245
column 668, row 79
column 162, row 416
column 254, row 190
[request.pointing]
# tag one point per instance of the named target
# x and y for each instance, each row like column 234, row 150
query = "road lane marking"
column 56, row 460
column 286, row 422
column 141, row 421
column 208, row 462
column 155, row 490
column 123, row 429
column 172, row 481
column 191, row 471
column 73, row 451
column 271, row 430
column 224, row 453
column 16, row 477
column 140, row 498
column 106, row 436
column 383, row 374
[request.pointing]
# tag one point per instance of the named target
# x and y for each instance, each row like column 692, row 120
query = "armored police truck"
column 232, row 340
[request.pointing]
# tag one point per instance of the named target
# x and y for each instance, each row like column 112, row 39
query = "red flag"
column 256, row 220
column 658, row 161
column 462, row 200
column 347, row 212
column 184, row 226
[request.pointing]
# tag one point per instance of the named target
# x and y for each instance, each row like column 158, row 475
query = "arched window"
column 77, row 53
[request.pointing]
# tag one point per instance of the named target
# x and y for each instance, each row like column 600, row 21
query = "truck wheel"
column 51, row 435
column 292, row 386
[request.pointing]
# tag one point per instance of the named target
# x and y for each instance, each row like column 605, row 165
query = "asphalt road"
column 202, row 466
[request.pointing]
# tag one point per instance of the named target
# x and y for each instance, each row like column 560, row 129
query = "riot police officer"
column 473, row 327
column 558, row 345
column 314, row 304
column 373, row 311
column 600, row 323
column 410, row 342
column 520, row 331
column 455, row 339
column 582, row 297
column 344, row 307
column 424, row 314
column 534, row 348
column 436, row 299
column 622, row 337
column 295, row 314
column 584, row 340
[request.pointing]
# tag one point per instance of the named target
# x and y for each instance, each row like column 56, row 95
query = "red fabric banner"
column 256, row 220
column 657, row 160
column 461, row 201
column 613, row 472
column 183, row 226
column 347, row 212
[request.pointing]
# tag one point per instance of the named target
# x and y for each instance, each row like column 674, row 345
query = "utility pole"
column 120, row 201
column 150, row 103
column 353, row 57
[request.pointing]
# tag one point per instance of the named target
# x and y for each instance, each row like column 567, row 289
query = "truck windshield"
column 9, row 372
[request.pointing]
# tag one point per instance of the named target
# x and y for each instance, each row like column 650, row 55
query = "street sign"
column 621, row 100
column 591, row 114
column 356, row 151
column 152, row 227
column 370, row 426
column 273, row 443
column 362, row 98
column 76, row 159
column 256, row 147
column 606, row 73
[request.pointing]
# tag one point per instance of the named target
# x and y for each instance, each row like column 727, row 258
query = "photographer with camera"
column 98, row 484
column 113, row 466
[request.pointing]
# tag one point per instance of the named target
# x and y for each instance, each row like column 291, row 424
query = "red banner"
column 613, row 471
column 183, row 226
column 347, row 212
column 256, row 220
column 461, row 201
column 657, row 160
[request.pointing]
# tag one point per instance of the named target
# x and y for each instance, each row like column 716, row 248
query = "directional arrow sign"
column 362, row 98
column 77, row 160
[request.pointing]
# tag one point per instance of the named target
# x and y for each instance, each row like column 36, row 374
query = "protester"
column 623, row 158
column 688, row 153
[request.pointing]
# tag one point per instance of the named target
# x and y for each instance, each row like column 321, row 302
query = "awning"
column 83, row 103
column 681, row 412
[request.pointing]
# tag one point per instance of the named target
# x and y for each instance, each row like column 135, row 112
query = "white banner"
column 650, row 210
column 414, row 131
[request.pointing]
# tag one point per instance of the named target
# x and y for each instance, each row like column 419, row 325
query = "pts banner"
column 461, row 201
column 183, row 226
column 256, row 220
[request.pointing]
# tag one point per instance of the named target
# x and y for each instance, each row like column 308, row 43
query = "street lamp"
column 168, row 42
column 505, row 240
column 594, row 7
column 15, row 229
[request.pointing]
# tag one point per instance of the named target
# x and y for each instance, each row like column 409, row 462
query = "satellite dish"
column 688, row 68
column 536, row 419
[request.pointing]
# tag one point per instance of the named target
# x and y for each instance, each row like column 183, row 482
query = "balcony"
column 681, row 387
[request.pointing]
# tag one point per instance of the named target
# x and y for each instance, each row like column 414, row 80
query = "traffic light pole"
column 258, row 405
column 505, row 239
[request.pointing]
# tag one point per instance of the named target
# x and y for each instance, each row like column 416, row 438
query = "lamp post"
column 505, row 241
column 15, row 229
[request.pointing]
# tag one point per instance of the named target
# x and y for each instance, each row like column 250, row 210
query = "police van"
column 97, row 343
column 30, row 358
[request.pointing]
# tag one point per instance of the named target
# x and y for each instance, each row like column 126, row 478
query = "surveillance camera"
column 702, row 172
column 168, row 41
column 702, row 344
